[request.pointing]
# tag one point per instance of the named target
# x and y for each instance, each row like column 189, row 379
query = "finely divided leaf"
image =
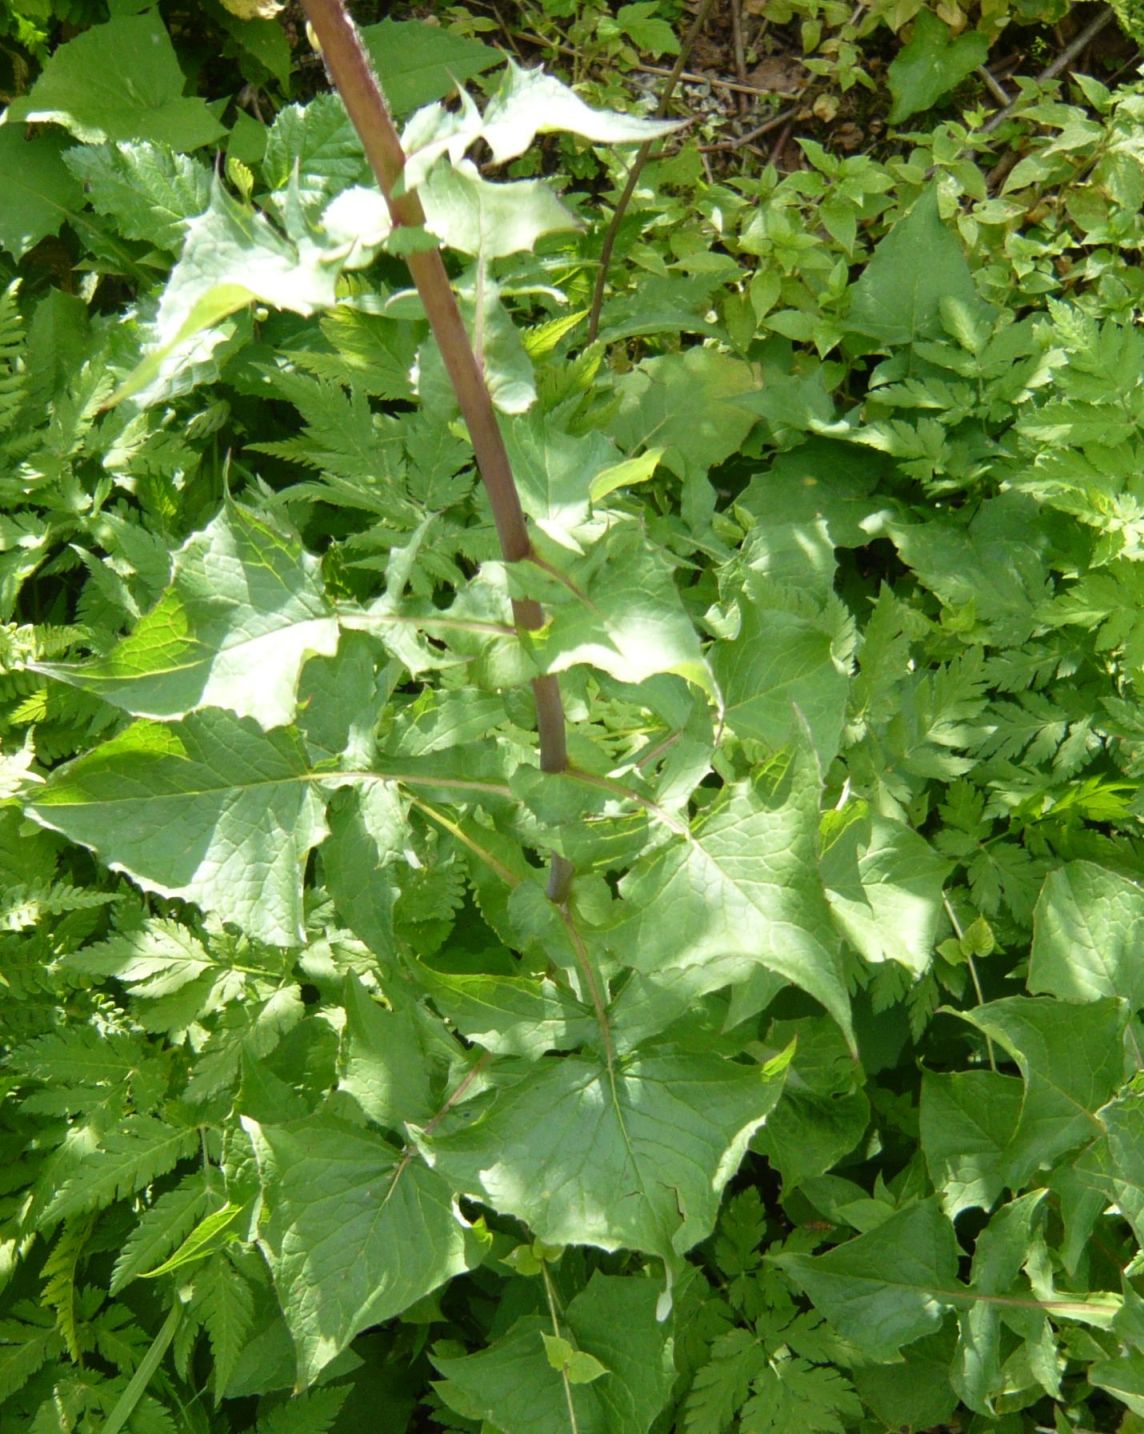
column 138, row 1151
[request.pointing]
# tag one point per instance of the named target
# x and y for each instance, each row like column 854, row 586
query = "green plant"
column 363, row 1046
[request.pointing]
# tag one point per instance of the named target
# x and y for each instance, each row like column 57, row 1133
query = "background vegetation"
column 818, row 1106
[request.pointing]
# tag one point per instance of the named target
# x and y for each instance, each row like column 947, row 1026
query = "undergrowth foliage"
column 816, row 1105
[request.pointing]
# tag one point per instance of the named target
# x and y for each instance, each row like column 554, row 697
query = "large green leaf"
column 117, row 81
column 968, row 1119
column 486, row 220
column 554, row 470
column 38, row 193
column 1072, row 1060
column 782, row 660
column 244, row 611
column 823, row 1114
column 634, row 1158
column 889, row 1286
column 417, row 63
column 616, row 608
column 211, row 809
column 528, row 103
column 741, row 892
column 234, row 256
column 884, row 884
column 931, row 64
column 353, row 1233
column 513, row 1385
column 1009, row 1242
column 685, row 404
column 1088, row 935
column 384, row 1064
column 511, row 1015
column 917, row 265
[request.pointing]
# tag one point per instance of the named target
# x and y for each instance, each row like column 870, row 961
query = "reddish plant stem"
column 352, row 76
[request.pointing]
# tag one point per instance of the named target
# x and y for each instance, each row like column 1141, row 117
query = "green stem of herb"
column 352, row 76
column 642, row 156
column 949, row 911
column 550, row 1295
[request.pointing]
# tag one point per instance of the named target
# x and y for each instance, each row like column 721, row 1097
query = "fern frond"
column 721, row 1387
column 22, row 907
column 161, row 1230
column 58, row 1292
column 12, row 372
column 27, row 1342
column 157, row 958
column 312, row 1413
column 138, row 1152
column 226, row 1304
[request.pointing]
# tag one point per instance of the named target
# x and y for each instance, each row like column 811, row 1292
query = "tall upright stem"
column 352, row 76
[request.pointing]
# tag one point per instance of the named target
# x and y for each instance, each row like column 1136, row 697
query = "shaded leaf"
column 354, row 1234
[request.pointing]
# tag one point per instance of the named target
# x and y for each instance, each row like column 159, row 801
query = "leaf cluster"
column 816, row 1104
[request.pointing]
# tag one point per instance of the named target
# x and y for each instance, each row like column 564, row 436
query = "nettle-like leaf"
column 211, row 809
column 1087, row 932
column 39, row 191
column 740, row 897
column 244, row 611
column 633, row 1155
column 84, row 87
column 149, row 192
column 355, row 1232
